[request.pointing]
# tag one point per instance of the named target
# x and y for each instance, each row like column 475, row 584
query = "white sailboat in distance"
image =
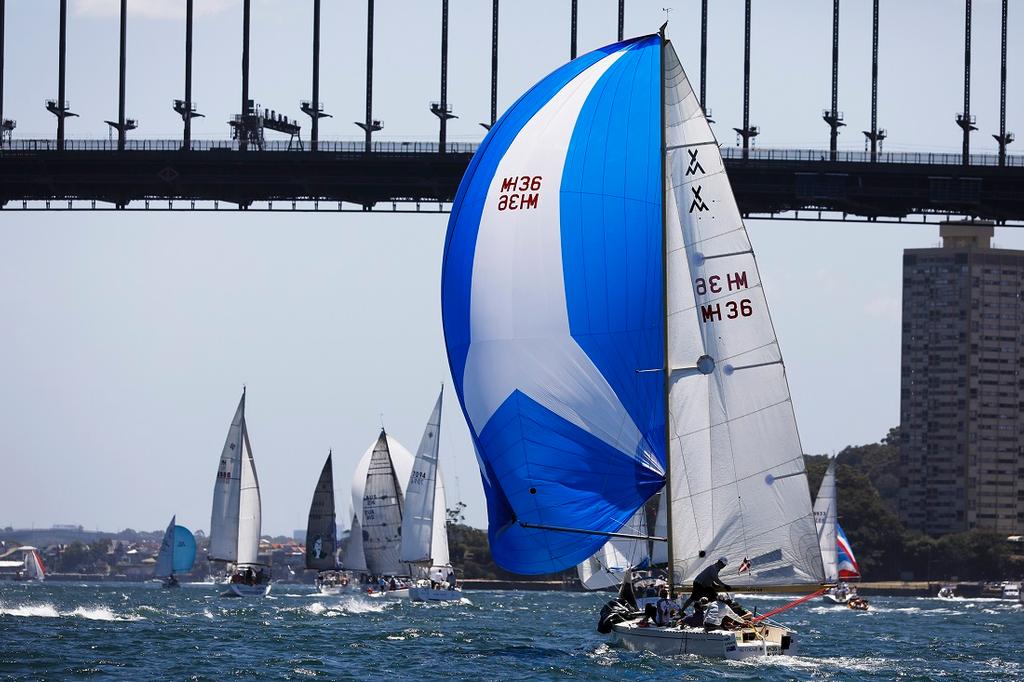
column 609, row 337
column 836, row 555
column 425, row 521
column 236, row 516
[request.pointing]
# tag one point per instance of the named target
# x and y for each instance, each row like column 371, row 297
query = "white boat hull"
column 390, row 594
column 428, row 594
column 243, row 590
column 727, row 644
column 833, row 599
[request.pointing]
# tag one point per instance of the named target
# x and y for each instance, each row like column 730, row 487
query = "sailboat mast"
column 664, row 304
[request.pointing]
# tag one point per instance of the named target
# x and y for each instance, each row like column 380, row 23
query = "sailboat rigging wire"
column 583, row 531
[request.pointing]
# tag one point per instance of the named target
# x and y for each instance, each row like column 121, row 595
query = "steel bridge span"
column 416, row 176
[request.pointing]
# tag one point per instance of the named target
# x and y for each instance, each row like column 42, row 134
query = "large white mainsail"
column 223, row 544
column 249, row 507
column 424, row 528
column 382, row 513
column 825, row 521
column 737, row 484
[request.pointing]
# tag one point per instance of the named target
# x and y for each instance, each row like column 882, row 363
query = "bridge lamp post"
column 966, row 120
column 494, row 66
column 371, row 125
column 833, row 117
column 60, row 107
column 314, row 108
column 874, row 136
column 123, row 124
column 186, row 108
column 1003, row 138
column 442, row 109
column 747, row 132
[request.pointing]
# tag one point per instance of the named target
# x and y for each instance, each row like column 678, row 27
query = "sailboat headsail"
column 184, row 550
column 825, row 521
column 249, row 507
column 226, row 493
column 424, row 531
column 606, row 567
column 382, row 514
column 846, row 562
column 553, row 308
column 738, row 487
column 354, row 559
column 321, row 531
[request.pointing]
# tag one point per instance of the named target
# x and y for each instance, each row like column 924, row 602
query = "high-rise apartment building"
column 962, row 388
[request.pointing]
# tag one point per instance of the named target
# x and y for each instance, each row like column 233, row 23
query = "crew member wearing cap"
column 707, row 583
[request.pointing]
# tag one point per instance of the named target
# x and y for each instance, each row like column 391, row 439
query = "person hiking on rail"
column 707, row 583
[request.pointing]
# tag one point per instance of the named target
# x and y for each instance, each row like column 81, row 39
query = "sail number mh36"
column 519, row 192
column 717, row 284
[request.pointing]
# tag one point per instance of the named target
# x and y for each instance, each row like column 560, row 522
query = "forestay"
column 424, row 528
column 223, row 544
column 321, row 529
column 553, row 309
column 825, row 521
column 738, row 485
column 382, row 514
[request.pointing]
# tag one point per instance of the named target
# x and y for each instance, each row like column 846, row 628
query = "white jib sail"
column 354, row 559
column 607, row 567
column 249, row 507
column 825, row 521
column 165, row 560
column 737, row 473
column 422, row 507
column 382, row 514
column 224, row 518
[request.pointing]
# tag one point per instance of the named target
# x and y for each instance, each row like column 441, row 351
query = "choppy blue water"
column 54, row 631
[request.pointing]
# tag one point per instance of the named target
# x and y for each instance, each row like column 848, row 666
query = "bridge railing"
column 399, row 147
column 917, row 158
column 324, row 146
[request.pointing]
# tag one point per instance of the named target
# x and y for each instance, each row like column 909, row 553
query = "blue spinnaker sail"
column 553, row 310
column 184, row 550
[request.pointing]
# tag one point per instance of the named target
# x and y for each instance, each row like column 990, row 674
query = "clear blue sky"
column 127, row 337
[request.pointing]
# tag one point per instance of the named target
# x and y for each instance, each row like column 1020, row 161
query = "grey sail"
column 321, row 531
column 226, row 493
column 165, row 560
column 354, row 559
column 382, row 513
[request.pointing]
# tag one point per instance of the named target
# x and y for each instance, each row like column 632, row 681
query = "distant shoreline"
column 867, row 589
